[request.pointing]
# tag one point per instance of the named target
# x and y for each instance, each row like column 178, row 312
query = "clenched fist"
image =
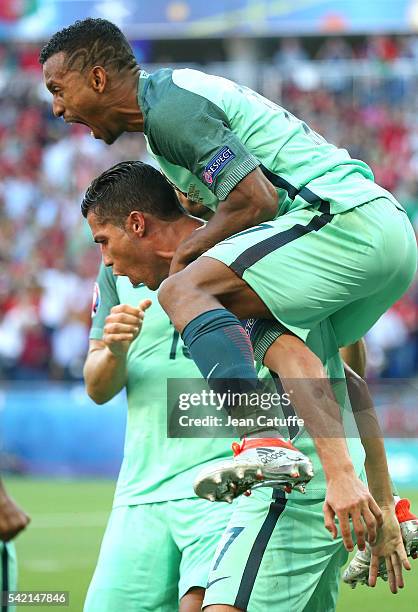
column 122, row 326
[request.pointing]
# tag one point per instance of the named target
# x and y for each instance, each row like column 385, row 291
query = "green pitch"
column 59, row 550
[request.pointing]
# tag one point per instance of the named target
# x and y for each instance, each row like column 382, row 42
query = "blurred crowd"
column 48, row 261
column 380, row 48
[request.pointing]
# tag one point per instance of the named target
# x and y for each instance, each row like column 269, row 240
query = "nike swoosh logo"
column 209, row 584
column 212, row 371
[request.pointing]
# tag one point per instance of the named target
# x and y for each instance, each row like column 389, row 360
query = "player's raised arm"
column 114, row 327
column 251, row 202
column 105, row 366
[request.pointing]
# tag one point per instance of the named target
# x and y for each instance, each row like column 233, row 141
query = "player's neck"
column 125, row 102
column 171, row 233
column 184, row 227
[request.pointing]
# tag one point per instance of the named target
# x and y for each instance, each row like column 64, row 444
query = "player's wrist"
column 187, row 253
column 335, row 471
column 116, row 352
column 196, row 244
column 387, row 506
column 334, row 457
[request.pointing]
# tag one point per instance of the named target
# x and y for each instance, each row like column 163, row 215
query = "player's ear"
column 98, row 79
column 136, row 223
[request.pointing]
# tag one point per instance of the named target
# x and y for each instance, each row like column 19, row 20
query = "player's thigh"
column 290, row 265
column 207, row 278
column 138, row 565
column 239, row 552
column 8, row 571
column 397, row 260
column 197, row 527
column 354, row 320
column 305, row 270
column 325, row 595
column 272, row 555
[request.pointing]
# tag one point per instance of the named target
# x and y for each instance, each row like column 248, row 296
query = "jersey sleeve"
column 105, row 296
column 192, row 132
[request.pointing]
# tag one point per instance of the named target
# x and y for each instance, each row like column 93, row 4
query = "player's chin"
column 135, row 282
column 152, row 284
column 150, row 281
column 108, row 141
column 109, row 138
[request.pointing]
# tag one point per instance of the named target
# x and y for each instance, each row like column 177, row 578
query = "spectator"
column 289, row 56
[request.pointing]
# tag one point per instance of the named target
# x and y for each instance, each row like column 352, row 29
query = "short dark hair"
column 89, row 43
column 128, row 186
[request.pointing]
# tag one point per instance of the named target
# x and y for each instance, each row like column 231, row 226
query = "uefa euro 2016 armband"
column 262, row 333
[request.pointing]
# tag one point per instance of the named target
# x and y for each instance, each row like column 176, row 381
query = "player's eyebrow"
column 51, row 82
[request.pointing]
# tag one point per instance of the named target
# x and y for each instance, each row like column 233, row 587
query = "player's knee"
column 164, row 291
column 176, row 290
column 169, row 293
column 192, row 600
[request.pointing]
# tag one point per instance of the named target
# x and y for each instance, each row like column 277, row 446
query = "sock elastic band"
column 402, row 510
column 259, row 443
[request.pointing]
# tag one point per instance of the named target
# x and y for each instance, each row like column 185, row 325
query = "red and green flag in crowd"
column 13, row 10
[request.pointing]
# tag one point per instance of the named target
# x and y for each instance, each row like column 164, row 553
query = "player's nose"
column 57, row 108
column 107, row 261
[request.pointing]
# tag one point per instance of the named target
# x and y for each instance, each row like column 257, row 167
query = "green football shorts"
column 152, row 554
column 8, row 576
column 276, row 555
column 309, row 265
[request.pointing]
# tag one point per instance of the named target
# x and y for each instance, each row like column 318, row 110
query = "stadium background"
column 349, row 68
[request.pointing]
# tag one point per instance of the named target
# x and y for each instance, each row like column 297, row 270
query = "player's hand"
column 348, row 499
column 12, row 519
column 389, row 544
column 122, row 326
column 188, row 251
column 180, row 261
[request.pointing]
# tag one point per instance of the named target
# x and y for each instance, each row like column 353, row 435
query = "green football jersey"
column 207, row 133
column 155, row 468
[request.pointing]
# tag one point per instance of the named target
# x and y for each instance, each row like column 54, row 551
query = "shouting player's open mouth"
column 79, row 122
